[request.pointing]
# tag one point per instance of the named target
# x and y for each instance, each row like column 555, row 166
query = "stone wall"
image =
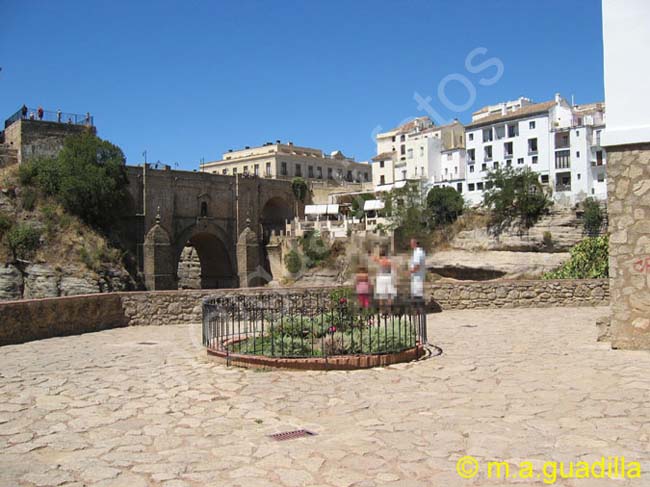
column 23, row 321
column 35, row 319
column 628, row 189
column 521, row 294
column 39, row 138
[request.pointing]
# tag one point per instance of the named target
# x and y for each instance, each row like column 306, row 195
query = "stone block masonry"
column 26, row 320
column 628, row 189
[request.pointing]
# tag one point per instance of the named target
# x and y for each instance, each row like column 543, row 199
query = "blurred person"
column 40, row 113
column 418, row 269
column 362, row 288
column 385, row 287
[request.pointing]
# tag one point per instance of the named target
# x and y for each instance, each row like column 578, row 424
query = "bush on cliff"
column 23, row 240
column 445, row 204
column 589, row 260
column 87, row 177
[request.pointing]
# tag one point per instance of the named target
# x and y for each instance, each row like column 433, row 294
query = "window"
column 471, row 136
column 449, row 156
column 509, row 163
column 268, row 169
column 507, row 149
column 402, row 150
column 597, row 137
column 459, row 187
column 283, row 168
column 225, row 171
column 520, row 161
column 422, row 170
column 410, row 154
column 534, row 159
column 495, row 165
column 579, row 176
column 487, row 153
column 487, row 135
column 577, row 133
column 310, row 171
column 577, row 153
column 531, row 125
column 601, row 177
column 403, row 173
column 484, row 167
column 319, row 172
column 545, row 178
column 532, row 146
column 402, row 138
column 599, row 158
column 339, row 174
column 298, row 170
column 446, row 171
column 479, row 186
column 562, row 159
column 470, row 187
column 500, row 131
column 471, row 168
column 471, row 155
column 204, row 209
column 329, row 173
column 513, row 130
column 381, row 164
column 421, row 151
column 245, row 169
column 393, row 138
column 365, row 176
column 382, row 180
column 349, row 176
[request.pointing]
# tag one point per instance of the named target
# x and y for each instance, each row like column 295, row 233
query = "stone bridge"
column 227, row 219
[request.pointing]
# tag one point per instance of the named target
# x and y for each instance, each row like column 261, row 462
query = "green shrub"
column 515, row 196
column 445, row 204
column 5, row 223
column 23, row 240
column 299, row 188
column 314, row 249
column 294, row 262
column 27, row 174
column 593, row 217
column 589, row 260
column 87, row 177
column 29, row 196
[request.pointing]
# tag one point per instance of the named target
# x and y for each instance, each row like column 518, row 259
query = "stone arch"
column 215, row 253
column 273, row 216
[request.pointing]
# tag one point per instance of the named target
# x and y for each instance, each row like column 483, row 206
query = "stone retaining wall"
column 521, row 294
column 22, row 321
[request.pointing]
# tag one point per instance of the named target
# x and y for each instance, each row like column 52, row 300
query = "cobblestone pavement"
column 143, row 406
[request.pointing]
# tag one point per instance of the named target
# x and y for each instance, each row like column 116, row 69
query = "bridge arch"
column 218, row 263
column 273, row 216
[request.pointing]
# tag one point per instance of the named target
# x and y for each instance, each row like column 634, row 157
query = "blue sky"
column 187, row 80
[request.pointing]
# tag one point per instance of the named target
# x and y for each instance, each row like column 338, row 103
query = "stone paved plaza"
column 144, row 406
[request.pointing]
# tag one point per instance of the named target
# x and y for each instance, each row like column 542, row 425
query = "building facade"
column 286, row 161
column 558, row 141
column 418, row 150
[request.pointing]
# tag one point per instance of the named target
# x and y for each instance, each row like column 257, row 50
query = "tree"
column 592, row 217
column 357, row 204
column 299, row 188
column 515, row 196
column 407, row 212
column 88, row 178
column 22, row 240
column 445, row 204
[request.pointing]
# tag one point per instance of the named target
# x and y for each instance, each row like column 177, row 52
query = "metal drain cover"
column 291, row 435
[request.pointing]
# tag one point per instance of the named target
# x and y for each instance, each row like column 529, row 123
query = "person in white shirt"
column 418, row 269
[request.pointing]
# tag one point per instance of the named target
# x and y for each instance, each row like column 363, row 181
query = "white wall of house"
column 626, row 36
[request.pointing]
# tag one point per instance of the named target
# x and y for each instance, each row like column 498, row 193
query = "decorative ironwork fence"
column 309, row 324
column 50, row 116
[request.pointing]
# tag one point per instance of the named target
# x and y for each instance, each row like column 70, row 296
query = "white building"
column 559, row 142
column 418, row 150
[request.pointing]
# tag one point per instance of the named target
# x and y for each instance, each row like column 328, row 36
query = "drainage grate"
column 291, row 435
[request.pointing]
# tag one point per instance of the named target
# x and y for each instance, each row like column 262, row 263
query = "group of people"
column 384, row 290
column 40, row 114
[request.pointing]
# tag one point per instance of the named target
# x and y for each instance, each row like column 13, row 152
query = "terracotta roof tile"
column 521, row 112
column 384, row 156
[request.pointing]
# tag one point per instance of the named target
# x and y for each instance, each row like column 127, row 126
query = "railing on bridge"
column 27, row 113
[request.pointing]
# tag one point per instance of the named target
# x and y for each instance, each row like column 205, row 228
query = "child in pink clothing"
column 362, row 289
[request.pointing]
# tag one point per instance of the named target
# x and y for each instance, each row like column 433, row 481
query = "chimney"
column 290, row 143
column 504, row 108
column 247, row 147
column 229, row 150
column 557, row 98
column 277, row 141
